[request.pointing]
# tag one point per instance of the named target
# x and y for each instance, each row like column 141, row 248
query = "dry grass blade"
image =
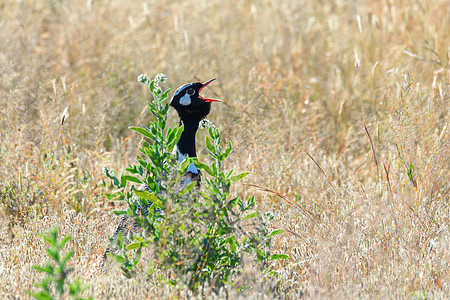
column 371, row 145
column 323, row 172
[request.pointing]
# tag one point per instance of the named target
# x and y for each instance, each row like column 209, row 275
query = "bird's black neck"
column 186, row 143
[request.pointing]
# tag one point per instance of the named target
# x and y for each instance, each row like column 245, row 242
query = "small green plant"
column 411, row 175
column 196, row 235
column 57, row 272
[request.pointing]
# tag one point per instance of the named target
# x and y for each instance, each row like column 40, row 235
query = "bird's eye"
column 190, row 92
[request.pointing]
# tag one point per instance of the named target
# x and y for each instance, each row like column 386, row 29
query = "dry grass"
column 327, row 103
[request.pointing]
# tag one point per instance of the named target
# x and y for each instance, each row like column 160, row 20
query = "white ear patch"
column 185, row 100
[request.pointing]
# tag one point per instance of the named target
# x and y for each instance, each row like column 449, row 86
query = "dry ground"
column 300, row 81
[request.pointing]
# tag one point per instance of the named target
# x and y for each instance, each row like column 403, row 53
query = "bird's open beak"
column 208, row 99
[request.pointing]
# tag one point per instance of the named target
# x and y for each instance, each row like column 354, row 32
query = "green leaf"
column 241, row 205
column 152, row 185
column 152, row 86
column 42, row 295
column 183, row 167
column 120, row 239
column 278, row 256
column 119, row 259
column 251, row 202
column 162, row 124
column 119, row 212
column 65, row 240
column 131, row 178
column 232, row 243
column 123, row 181
column 145, row 195
column 210, row 132
column 52, row 253
column 227, row 152
column 142, row 131
column 209, row 145
column 164, row 95
column 251, row 216
column 148, row 196
column 142, row 162
column 276, row 232
column 44, row 283
column 239, row 176
column 214, row 169
column 48, row 239
column 202, row 166
column 67, row 257
column 170, row 135
column 180, row 131
column 154, row 158
column 46, row 269
column 132, row 171
column 133, row 246
column 410, row 171
column 138, row 239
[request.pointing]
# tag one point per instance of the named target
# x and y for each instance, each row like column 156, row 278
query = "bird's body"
column 191, row 109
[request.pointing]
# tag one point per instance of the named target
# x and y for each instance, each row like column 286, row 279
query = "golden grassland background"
column 300, row 82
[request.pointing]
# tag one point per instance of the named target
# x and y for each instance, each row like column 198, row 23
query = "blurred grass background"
column 367, row 211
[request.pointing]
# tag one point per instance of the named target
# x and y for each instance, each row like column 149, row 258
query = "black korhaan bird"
column 191, row 108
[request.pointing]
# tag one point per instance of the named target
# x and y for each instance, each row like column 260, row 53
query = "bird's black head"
column 189, row 104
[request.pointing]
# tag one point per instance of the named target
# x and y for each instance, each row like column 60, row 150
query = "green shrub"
column 57, row 272
column 196, row 235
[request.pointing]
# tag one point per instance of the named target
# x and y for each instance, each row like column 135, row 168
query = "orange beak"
column 208, row 99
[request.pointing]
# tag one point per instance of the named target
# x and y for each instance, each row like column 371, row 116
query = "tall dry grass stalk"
column 339, row 109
